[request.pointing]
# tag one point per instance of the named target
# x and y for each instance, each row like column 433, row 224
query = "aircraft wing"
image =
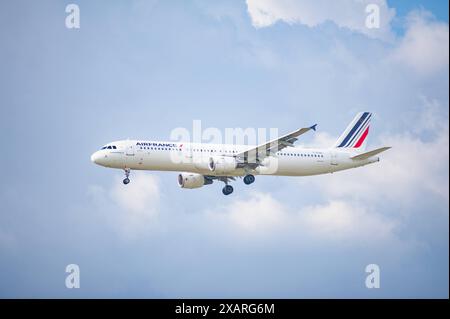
column 253, row 156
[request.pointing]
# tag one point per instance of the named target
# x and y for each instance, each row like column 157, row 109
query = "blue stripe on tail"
column 354, row 129
column 359, row 131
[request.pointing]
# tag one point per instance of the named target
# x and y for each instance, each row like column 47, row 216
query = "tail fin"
column 356, row 133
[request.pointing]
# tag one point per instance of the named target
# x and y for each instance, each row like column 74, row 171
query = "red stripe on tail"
column 362, row 138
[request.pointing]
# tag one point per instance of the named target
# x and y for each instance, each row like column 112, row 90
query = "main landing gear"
column 249, row 179
column 227, row 189
column 126, row 181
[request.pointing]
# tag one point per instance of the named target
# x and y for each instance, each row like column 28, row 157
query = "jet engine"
column 222, row 165
column 192, row 180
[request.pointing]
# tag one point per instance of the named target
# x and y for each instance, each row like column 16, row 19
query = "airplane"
column 201, row 164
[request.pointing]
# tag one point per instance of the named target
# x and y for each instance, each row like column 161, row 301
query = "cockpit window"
column 109, row 147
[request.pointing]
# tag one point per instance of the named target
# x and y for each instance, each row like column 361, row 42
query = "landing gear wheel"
column 127, row 174
column 249, row 179
column 227, row 190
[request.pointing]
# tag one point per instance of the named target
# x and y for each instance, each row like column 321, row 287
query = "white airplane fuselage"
column 193, row 157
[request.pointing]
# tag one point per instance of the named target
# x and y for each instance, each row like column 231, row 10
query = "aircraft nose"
column 95, row 157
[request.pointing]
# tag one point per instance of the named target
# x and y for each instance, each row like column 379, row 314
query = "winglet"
column 313, row 127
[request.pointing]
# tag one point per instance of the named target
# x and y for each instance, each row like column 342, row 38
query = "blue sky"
column 437, row 7
column 139, row 69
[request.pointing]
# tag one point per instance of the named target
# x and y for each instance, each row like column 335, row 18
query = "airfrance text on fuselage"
column 156, row 144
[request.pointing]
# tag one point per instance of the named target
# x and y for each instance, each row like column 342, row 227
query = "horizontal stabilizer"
column 366, row 155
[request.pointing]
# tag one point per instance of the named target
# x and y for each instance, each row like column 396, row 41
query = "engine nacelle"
column 222, row 165
column 192, row 180
column 203, row 163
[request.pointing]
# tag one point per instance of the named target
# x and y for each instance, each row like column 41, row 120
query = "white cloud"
column 339, row 219
column 255, row 215
column 413, row 167
column 321, row 140
column 432, row 118
column 131, row 209
column 261, row 215
column 404, row 172
column 425, row 46
column 140, row 198
column 350, row 14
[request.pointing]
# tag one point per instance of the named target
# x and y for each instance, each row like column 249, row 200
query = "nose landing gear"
column 126, row 181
